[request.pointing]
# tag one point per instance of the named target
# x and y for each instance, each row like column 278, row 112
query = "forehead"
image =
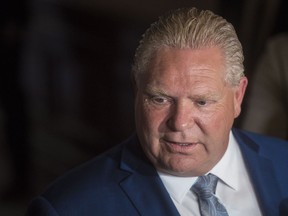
column 186, row 64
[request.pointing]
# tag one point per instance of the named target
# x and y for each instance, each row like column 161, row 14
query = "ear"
column 239, row 92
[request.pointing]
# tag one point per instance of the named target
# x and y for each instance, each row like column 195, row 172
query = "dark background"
column 65, row 93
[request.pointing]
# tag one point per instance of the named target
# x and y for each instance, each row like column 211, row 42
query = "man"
column 189, row 86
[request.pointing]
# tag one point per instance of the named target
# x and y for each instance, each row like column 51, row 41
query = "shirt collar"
column 227, row 170
column 177, row 186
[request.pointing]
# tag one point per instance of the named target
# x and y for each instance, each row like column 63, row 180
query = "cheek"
column 154, row 120
column 147, row 119
column 221, row 118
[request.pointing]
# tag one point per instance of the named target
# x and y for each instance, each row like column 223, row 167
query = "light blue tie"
column 209, row 205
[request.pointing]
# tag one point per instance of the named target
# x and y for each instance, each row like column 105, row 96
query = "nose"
column 181, row 116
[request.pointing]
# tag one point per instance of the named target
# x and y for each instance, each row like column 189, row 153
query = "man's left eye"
column 202, row 102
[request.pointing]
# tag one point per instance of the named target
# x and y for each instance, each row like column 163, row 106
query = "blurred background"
column 65, row 93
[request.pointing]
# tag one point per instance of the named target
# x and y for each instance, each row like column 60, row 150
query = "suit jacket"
column 123, row 182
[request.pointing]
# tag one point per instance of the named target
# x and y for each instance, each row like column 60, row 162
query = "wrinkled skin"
column 184, row 110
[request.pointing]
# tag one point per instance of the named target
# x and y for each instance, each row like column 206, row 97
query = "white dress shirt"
column 234, row 188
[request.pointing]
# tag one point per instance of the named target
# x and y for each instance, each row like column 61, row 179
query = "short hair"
column 191, row 28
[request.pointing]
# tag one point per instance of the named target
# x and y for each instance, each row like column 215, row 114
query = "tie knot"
column 205, row 186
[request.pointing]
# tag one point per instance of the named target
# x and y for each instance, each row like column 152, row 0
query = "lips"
column 183, row 144
column 176, row 141
column 180, row 144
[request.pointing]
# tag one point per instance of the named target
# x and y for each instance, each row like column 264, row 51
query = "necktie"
column 209, row 205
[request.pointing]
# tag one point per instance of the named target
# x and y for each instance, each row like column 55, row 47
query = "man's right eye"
column 160, row 100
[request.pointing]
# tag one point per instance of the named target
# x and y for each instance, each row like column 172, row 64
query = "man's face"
column 185, row 110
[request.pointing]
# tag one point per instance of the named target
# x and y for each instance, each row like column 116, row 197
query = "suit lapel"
column 148, row 196
column 261, row 172
column 142, row 184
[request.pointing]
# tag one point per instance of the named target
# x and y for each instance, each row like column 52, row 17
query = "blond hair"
column 191, row 28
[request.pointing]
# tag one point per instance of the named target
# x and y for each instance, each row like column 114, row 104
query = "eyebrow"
column 157, row 92
column 151, row 90
column 207, row 97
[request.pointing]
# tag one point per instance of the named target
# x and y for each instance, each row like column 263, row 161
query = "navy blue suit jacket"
column 123, row 182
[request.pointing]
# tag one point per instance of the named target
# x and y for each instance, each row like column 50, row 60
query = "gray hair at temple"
column 193, row 29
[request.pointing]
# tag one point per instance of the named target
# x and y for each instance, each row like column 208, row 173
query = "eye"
column 201, row 102
column 159, row 100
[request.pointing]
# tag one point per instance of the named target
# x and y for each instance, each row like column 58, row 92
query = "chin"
column 178, row 171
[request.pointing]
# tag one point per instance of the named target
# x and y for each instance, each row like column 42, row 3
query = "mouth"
column 179, row 146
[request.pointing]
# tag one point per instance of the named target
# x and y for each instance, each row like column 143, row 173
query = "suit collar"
column 142, row 184
column 261, row 171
